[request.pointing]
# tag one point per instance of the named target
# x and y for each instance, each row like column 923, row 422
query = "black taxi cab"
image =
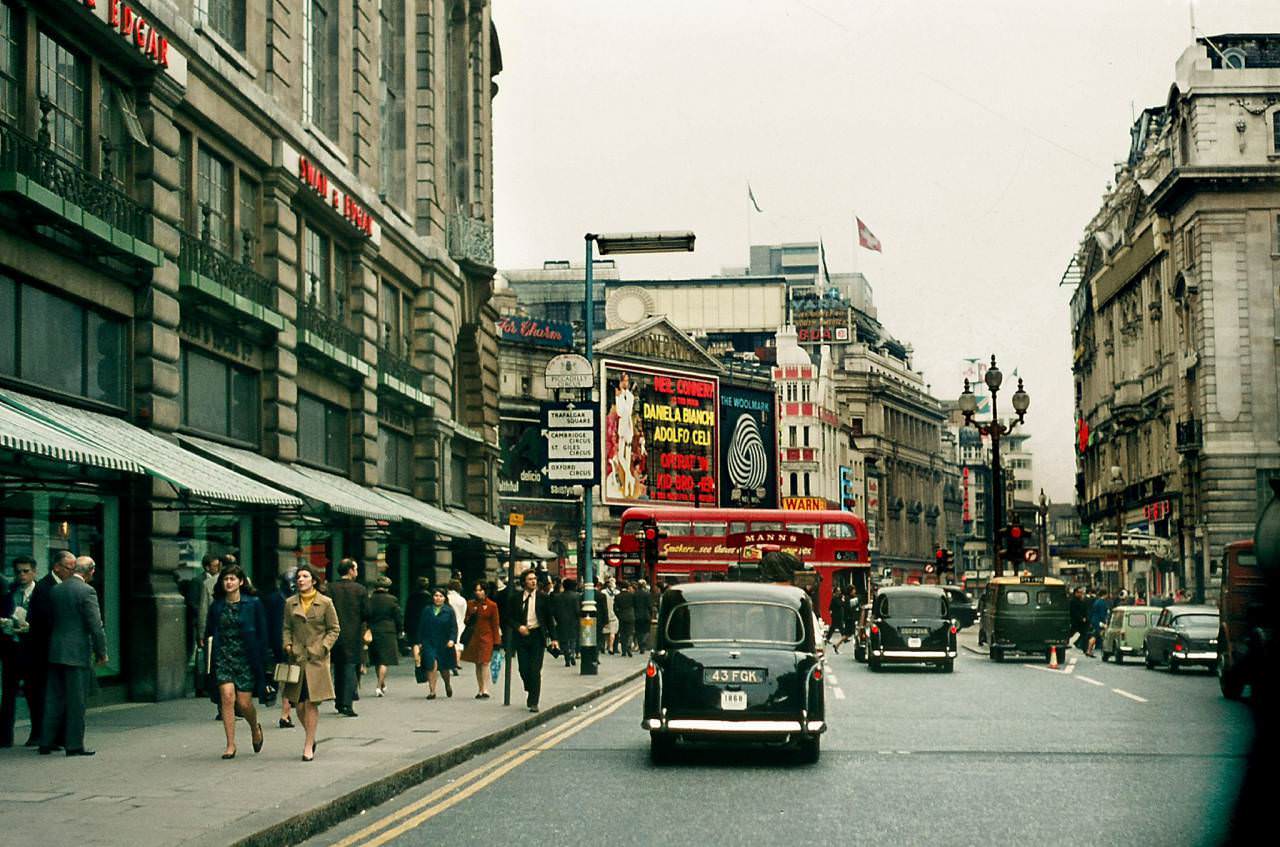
column 911, row 624
column 1025, row 614
column 734, row 661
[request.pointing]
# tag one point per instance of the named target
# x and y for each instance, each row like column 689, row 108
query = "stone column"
column 156, row 637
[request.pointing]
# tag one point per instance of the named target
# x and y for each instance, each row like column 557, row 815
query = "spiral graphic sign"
column 749, row 455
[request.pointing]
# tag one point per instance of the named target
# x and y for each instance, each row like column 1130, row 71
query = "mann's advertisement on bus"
column 748, row 448
column 661, row 432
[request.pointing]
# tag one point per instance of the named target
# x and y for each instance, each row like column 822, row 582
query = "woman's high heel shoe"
column 230, row 755
column 257, row 738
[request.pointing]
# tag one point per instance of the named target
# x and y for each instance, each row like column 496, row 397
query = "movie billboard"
column 748, row 448
column 660, row 436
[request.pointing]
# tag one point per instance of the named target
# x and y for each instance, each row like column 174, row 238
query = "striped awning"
column 23, row 432
column 481, row 529
column 330, row 490
column 425, row 515
column 533, row 549
column 134, row 449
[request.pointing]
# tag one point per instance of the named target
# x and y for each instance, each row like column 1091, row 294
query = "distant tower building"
column 812, row 446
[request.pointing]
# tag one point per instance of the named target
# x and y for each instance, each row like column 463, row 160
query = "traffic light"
column 1015, row 540
column 649, row 536
column 939, row 561
column 948, row 560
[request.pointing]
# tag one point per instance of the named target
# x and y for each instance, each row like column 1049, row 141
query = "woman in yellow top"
column 310, row 630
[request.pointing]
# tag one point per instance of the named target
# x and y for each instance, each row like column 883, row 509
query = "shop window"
column 10, row 65
column 218, row 397
column 64, row 81
column 61, row 345
column 458, row 480
column 213, row 184
column 391, row 78
column 395, row 458
column 226, row 18
column 247, row 236
column 320, row 66
column 323, row 433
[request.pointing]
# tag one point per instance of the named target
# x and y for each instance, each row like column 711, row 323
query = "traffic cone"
column 1053, row 658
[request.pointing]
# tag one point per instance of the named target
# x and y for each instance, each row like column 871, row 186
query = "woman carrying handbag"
column 310, row 631
column 236, row 626
column 434, row 647
column 483, row 632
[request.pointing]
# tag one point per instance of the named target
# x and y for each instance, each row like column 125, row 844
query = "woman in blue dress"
column 237, row 624
column 433, row 648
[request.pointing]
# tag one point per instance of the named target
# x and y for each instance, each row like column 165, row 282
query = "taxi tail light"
column 1177, row 648
column 817, row 674
column 875, row 630
column 651, row 670
column 953, row 629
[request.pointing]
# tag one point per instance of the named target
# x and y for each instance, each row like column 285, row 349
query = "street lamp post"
column 626, row 242
column 1117, row 481
column 995, row 429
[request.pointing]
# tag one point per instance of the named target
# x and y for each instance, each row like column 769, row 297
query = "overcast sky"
column 974, row 138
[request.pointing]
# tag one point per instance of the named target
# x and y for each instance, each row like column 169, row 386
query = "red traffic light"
column 940, row 555
column 1015, row 532
column 650, row 533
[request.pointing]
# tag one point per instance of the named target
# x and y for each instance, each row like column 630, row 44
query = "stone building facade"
column 272, row 223
column 1174, row 321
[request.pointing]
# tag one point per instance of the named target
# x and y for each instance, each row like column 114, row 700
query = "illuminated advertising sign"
column 804, row 504
column 535, row 331
column 749, row 448
column 660, row 436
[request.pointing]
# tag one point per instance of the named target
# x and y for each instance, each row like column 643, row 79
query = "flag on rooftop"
column 752, row 197
column 866, row 238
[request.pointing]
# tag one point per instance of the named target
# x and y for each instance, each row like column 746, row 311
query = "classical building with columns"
column 245, row 273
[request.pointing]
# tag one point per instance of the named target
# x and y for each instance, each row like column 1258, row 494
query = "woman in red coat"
column 486, row 632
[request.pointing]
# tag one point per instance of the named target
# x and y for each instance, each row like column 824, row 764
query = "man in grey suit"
column 78, row 638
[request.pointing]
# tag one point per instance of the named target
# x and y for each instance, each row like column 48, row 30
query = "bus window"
column 675, row 529
column 703, row 529
column 806, row 528
column 737, row 526
column 837, row 530
column 766, row 526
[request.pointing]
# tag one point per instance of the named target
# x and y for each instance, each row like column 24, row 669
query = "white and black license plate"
column 733, row 701
column 734, row 676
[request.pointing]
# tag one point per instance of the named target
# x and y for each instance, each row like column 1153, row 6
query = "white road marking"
column 1041, row 668
column 1088, row 680
column 1133, row 697
column 832, row 679
column 839, row 694
column 1071, row 666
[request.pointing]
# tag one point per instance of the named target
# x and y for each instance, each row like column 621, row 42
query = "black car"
column 1183, row 635
column 912, row 623
column 1025, row 614
column 734, row 661
column 963, row 610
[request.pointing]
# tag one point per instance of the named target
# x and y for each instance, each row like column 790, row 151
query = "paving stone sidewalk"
column 158, row 778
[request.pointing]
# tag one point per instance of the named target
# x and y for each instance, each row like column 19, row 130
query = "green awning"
column 24, row 432
column 139, row 451
column 424, row 514
column 481, row 529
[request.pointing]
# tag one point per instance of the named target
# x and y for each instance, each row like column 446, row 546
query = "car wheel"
column 808, row 750
column 949, row 666
column 662, row 748
column 1118, row 656
column 1174, row 667
column 982, row 638
column 859, row 654
column 1150, row 660
column 1230, row 680
column 873, row 664
column 997, row 654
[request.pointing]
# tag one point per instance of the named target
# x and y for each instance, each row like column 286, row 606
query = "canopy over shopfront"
column 54, row 430
column 499, row 537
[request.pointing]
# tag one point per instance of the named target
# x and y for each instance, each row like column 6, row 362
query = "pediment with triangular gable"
column 658, row 340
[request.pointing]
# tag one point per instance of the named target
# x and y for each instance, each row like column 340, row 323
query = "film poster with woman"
column 660, row 436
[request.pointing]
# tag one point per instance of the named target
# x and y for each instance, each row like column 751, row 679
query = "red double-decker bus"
column 697, row 545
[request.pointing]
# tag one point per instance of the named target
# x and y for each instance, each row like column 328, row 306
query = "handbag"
column 287, row 674
column 467, row 631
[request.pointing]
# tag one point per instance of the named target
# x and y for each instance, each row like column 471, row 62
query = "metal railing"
column 395, row 360
column 1189, row 435
column 200, row 256
column 315, row 318
column 71, row 182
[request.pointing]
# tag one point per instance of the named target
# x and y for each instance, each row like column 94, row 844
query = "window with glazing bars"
column 248, row 250
column 63, row 80
column 319, row 74
column 119, row 147
column 10, row 66
column 213, row 185
column 315, row 249
column 391, row 78
column 226, row 17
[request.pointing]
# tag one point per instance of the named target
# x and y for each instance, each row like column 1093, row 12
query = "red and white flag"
column 866, row 238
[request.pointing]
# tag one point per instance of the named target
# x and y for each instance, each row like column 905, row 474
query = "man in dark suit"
column 77, row 640
column 351, row 602
column 36, row 642
column 15, row 606
column 564, row 613
column 531, row 613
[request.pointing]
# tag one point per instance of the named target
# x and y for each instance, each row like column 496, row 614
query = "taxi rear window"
column 735, row 621
column 1016, row 598
column 912, row 606
column 1137, row 619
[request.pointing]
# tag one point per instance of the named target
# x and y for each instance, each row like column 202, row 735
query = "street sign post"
column 572, row 437
column 569, row 370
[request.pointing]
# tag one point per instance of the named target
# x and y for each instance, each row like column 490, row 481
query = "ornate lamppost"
column 995, row 429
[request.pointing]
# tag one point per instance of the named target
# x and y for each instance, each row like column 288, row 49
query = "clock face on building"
column 628, row 306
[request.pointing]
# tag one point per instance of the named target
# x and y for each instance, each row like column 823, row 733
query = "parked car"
column 734, row 662
column 912, row 624
column 963, row 610
column 1244, row 628
column 1026, row 614
column 1125, row 631
column 1183, row 635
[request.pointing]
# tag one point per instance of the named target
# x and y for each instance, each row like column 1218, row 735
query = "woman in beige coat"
column 310, row 630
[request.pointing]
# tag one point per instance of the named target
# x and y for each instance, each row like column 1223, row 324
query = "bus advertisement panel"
column 660, row 436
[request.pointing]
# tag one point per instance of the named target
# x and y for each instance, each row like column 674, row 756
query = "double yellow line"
column 448, row 796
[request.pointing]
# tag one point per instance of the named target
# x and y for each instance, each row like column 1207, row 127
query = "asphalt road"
column 994, row 753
